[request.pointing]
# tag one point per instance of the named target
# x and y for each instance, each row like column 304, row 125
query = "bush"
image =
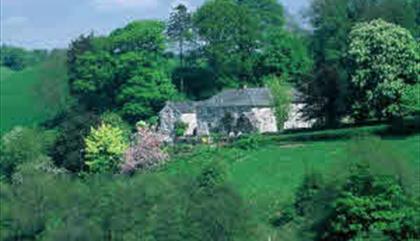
column 180, row 128
column 145, row 151
column 248, row 142
column 104, row 148
column 370, row 197
column 73, row 126
column 22, row 145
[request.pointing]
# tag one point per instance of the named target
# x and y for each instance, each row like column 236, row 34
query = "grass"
column 5, row 72
column 268, row 177
column 32, row 95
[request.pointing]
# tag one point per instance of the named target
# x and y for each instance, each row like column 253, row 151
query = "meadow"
column 267, row 177
column 34, row 94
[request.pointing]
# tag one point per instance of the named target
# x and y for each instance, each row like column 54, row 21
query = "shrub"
column 145, row 151
column 180, row 128
column 104, row 148
column 212, row 176
column 371, row 198
column 73, row 128
column 22, row 145
column 248, row 142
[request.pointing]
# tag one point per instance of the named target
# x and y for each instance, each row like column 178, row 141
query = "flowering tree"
column 145, row 151
column 386, row 60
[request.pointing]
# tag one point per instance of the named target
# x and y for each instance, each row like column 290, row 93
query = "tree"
column 73, row 126
column 125, row 71
column 147, row 89
column 282, row 96
column 270, row 13
column 95, row 85
column 76, row 48
column 22, row 145
column 17, row 58
column 410, row 99
column 326, row 90
column 180, row 30
column 230, row 34
column 371, row 203
column 284, row 54
column 145, row 151
column 385, row 59
column 104, row 149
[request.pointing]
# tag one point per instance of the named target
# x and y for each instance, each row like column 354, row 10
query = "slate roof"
column 241, row 97
column 254, row 97
column 184, row 106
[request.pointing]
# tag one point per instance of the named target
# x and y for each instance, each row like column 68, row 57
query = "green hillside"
column 5, row 73
column 33, row 94
column 269, row 176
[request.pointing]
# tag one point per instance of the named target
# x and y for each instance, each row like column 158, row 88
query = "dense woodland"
column 95, row 168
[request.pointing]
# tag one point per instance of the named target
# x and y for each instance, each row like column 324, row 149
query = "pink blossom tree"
column 145, row 151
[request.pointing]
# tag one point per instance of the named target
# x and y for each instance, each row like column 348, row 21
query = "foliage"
column 284, row 53
column 180, row 128
column 372, row 203
column 282, row 98
column 370, row 196
column 269, row 14
column 198, row 81
column 105, row 146
column 179, row 29
column 145, row 151
column 213, row 176
column 230, row 34
column 55, row 207
column 326, row 90
column 22, row 145
column 18, row 58
column 248, row 142
column 72, row 126
column 125, row 71
column 143, row 95
column 115, row 120
column 410, row 99
column 386, row 58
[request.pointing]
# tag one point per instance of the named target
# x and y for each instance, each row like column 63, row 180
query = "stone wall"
column 296, row 120
column 191, row 120
column 266, row 120
column 239, row 119
column 168, row 117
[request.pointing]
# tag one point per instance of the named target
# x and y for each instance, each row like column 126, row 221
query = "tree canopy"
column 385, row 59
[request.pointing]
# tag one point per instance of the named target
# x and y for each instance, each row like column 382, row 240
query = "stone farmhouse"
column 230, row 112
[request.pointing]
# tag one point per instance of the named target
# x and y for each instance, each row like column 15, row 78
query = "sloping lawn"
column 268, row 177
column 32, row 95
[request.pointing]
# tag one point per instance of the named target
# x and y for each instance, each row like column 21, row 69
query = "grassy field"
column 268, row 177
column 32, row 95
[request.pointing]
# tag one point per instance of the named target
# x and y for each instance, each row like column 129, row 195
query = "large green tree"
column 125, row 71
column 229, row 32
column 385, row 59
column 327, row 89
column 284, row 54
